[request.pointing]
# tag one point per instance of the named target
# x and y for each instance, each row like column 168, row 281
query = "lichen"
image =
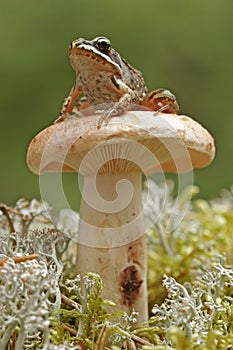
column 190, row 280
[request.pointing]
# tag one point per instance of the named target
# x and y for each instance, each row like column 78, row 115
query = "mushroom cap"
column 136, row 139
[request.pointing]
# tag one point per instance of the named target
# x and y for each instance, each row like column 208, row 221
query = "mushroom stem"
column 112, row 240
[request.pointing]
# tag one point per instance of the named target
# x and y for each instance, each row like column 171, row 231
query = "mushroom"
column 112, row 159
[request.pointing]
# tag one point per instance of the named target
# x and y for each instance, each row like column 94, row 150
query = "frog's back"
column 134, row 79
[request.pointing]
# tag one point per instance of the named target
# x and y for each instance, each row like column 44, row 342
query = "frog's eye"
column 102, row 44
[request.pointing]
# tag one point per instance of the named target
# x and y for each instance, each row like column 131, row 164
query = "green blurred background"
column 186, row 46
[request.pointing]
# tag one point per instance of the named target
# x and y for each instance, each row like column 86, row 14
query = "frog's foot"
column 83, row 108
column 74, row 114
column 161, row 100
column 105, row 117
column 61, row 118
column 115, row 109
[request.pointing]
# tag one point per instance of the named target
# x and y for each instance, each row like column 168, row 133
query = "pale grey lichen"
column 25, row 292
column 196, row 308
column 29, row 291
column 34, row 233
column 164, row 213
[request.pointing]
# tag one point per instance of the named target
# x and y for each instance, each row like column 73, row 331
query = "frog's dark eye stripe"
column 102, row 44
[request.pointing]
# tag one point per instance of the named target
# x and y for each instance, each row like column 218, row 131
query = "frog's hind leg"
column 161, row 100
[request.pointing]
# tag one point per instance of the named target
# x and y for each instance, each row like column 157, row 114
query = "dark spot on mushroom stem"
column 134, row 214
column 130, row 283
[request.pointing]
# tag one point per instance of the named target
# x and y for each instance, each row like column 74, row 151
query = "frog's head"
column 96, row 53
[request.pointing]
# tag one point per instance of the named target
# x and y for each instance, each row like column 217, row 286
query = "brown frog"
column 103, row 76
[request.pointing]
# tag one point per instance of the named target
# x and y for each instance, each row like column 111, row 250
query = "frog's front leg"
column 69, row 104
column 161, row 100
column 127, row 97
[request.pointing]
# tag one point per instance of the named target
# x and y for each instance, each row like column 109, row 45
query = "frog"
column 104, row 78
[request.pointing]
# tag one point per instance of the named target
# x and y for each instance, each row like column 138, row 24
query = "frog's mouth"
column 92, row 56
